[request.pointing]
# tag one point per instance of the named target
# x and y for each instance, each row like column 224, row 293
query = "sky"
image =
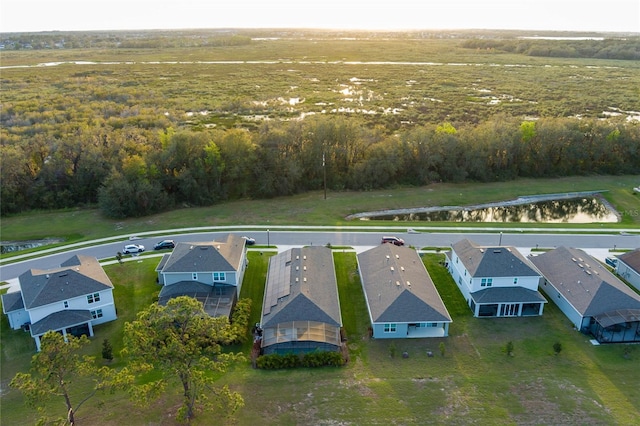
column 82, row 15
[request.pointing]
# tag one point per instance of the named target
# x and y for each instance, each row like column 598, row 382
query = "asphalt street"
column 598, row 244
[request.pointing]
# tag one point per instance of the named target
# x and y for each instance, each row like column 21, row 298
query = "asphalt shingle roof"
column 492, row 261
column 585, row 282
column 60, row 320
column 12, row 302
column 78, row 276
column 206, row 257
column 301, row 286
column 507, row 295
column 398, row 287
column 631, row 259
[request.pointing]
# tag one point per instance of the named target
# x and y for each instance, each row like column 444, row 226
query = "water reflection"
column 575, row 210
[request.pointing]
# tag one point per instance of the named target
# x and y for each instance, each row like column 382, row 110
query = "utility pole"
column 324, row 172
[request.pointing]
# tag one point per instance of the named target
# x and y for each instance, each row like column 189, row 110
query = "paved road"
column 286, row 237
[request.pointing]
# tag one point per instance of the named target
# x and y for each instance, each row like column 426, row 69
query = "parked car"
column 165, row 244
column 393, row 240
column 133, row 248
column 249, row 241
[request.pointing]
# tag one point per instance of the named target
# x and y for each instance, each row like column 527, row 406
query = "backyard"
column 468, row 380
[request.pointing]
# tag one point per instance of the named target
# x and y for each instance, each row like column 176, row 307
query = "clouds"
column 570, row 15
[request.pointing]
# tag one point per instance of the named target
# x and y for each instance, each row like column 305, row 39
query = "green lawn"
column 475, row 382
column 311, row 209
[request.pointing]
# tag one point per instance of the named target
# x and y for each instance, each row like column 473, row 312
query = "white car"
column 133, row 248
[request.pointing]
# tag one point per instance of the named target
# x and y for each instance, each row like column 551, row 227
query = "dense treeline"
column 122, row 39
column 135, row 171
column 626, row 48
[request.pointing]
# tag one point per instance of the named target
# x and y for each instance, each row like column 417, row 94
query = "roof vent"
column 408, row 283
column 481, row 250
column 402, row 268
column 397, row 256
column 304, row 279
column 497, row 251
column 397, row 283
column 304, row 257
column 392, row 269
column 574, row 259
column 63, row 275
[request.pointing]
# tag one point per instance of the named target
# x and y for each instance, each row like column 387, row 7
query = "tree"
column 509, row 348
column 107, row 350
column 58, row 368
column 181, row 342
column 557, row 348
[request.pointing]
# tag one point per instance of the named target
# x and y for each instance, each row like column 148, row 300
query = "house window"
column 515, row 280
column 96, row 314
column 95, row 297
column 66, row 304
column 390, row 328
column 219, row 276
column 486, row 282
column 194, row 276
column 465, row 272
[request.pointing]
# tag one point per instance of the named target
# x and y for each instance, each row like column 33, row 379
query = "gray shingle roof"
column 585, row 282
column 12, row 302
column 60, row 320
column 492, row 261
column 79, row 276
column 507, row 295
column 398, row 287
column 301, row 286
column 206, row 257
column 631, row 259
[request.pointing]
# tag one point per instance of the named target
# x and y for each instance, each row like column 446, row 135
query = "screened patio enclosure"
column 300, row 337
column 619, row 326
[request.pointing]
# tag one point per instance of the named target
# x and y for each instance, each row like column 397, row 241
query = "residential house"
column 628, row 267
column 211, row 272
column 495, row 281
column 593, row 299
column 70, row 299
column 301, row 309
column 401, row 298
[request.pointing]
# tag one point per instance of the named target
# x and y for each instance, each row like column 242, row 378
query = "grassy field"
column 312, row 209
column 474, row 382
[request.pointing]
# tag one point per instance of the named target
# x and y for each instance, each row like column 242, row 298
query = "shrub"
column 312, row 360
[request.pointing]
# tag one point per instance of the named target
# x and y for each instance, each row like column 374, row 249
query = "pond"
column 11, row 246
column 582, row 209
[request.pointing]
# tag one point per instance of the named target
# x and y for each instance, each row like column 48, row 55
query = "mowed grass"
column 311, row 209
column 474, row 382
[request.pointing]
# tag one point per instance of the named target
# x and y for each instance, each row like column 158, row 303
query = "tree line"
column 613, row 48
column 132, row 171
